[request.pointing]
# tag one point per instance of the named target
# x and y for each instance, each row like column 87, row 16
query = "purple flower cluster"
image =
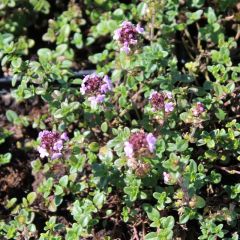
column 162, row 101
column 128, row 35
column 198, row 109
column 96, row 87
column 138, row 143
column 51, row 144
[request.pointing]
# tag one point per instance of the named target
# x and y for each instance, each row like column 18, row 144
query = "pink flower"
column 169, row 107
column 128, row 148
column 43, row 152
column 157, row 100
column 139, row 29
column 95, row 100
column 139, row 143
column 58, row 146
column 128, row 35
column 161, row 100
column 166, row 178
column 125, row 49
column 56, row 155
column 168, row 95
column 96, row 87
column 107, row 85
column 151, row 140
column 117, row 33
column 64, row 136
column 198, row 109
column 51, row 144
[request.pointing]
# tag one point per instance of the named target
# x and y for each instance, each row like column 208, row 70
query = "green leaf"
column 44, row 54
column 211, row 16
column 11, row 202
column 60, row 49
column 118, row 13
column 58, row 190
column 63, row 181
column 181, row 145
column 64, row 33
column 193, row 16
column 210, row 143
column 215, row 177
column 184, row 218
column 58, row 200
column 132, row 191
column 31, row 197
column 153, row 214
column 16, row 62
column 142, row 8
column 125, row 213
column 11, row 116
column 220, row 114
column 167, row 222
column 78, row 40
column 98, row 199
column 104, row 127
column 196, row 3
column 5, row 158
column 197, row 202
column 94, row 147
column 152, row 236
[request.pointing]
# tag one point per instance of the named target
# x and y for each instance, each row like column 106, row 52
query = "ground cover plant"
column 142, row 145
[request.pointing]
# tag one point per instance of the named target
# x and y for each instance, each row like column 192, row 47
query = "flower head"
column 96, row 87
column 157, row 100
column 198, row 109
column 162, row 101
column 128, row 35
column 51, row 144
column 139, row 143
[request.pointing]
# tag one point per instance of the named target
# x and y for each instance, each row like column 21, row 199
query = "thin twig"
column 238, row 32
column 186, row 48
column 143, row 230
column 230, row 171
column 189, row 37
column 184, row 189
column 135, row 233
column 152, row 28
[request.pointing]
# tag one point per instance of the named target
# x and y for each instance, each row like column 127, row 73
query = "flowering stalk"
column 162, row 104
column 139, row 144
column 184, row 189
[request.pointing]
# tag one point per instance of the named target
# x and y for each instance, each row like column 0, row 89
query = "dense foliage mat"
column 147, row 146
